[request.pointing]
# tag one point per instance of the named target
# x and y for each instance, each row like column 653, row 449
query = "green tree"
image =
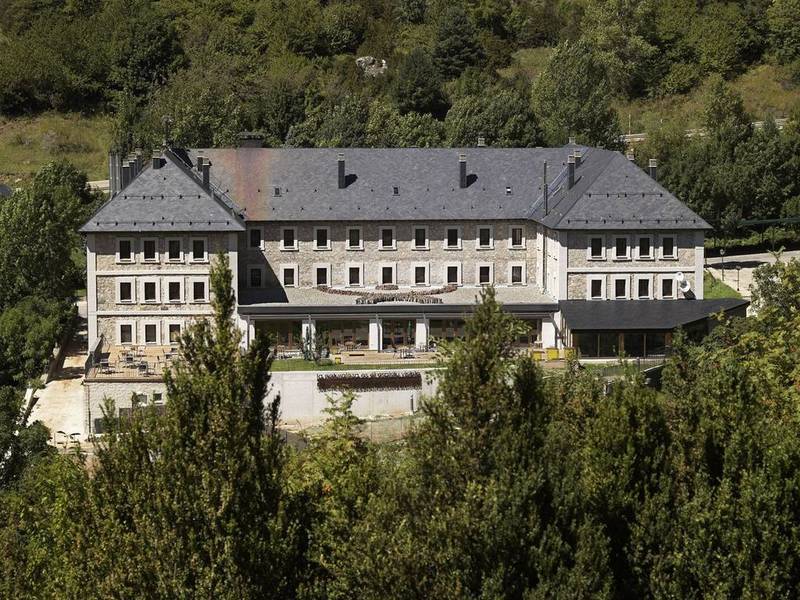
column 785, row 29
column 387, row 128
column 417, row 86
column 723, row 38
column 571, row 97
column 456, row 46
column 21, row 442
column 338, row 125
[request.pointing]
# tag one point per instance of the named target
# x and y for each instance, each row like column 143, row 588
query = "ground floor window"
column 398, row 333
column 606, row 344
column 446, row 329
column 345, row 335
column 286, row 335
column 534, row 334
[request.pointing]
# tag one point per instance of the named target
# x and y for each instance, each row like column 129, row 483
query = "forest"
column 287, row 69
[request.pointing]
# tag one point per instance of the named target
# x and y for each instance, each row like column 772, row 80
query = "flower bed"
column 369, row 382
column 375, row 297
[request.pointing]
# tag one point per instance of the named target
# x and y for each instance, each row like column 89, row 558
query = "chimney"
column 199, row 163
column 631, row 156
column 207, row 174
column 577, row 155
column 126, row 175
column 139, row 162
column 570, row 172
column 572, row 140
column 462, row 171
column 342, row 177
column 546, row 190
column 112, row 172
column 481, row 141
column 134, row 171
column 156, row 160
column 653, row 168
column 250, row 139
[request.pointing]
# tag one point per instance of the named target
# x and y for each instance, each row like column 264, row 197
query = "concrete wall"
column 404, row 257
column 120, row 392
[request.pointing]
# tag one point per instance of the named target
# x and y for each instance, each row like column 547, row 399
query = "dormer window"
column 508, row 190
column 276, row 191
column 396, row 191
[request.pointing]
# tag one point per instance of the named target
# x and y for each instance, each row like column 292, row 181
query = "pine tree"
column 417, row 87
column 456, row 46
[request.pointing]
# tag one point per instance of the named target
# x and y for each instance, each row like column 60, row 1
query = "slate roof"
column 171, row 198
column 616, row 315
column 504, row 183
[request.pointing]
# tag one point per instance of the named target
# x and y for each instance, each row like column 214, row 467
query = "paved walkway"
column 60, row 404
column 738, row 271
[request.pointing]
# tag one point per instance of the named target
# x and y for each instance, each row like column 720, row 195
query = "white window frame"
column 427, row 245
column 614, row 280
column 478, row 273
column 602, row 280
column 423, row 265
column 142, row 283
column 295, row 246
column 383, row 228
column 169, row 324
column 132, row 259
column 182, row 285
column 192, row 258
column 603, row 250
column 204, row 281
column 360, row 267
column 478, row 237
column 518, row 263
column 627, row 239
column 387, row 265
column 638, row 237
column 155, row 259
column 360, row 238
column 460, row 243
column 180, row 258
column 157, row 325
column 446, row 266
column 674, row 247
column 131, row 281
column 120, row 325
column 671, row 277
column 260, row 230
column 328, row 236
column 635, row 292
column 263, row 271
column 290, row 267
column 327, row 268
column 511, row 245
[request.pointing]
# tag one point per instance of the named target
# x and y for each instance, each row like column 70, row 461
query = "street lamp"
column 722, row 257
column 738, row 272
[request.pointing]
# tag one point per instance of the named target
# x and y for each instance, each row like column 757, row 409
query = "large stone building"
column 379, row 249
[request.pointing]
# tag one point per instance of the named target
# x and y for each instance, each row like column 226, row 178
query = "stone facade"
column 121, row 392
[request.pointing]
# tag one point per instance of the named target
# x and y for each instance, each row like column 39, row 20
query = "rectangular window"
column 288, row 239
column 517, row 239
column 596, row 289
column 199, row 250
column 199, row 291
column 354, row 275
column 255, row 237
column 149, row 251
column 174, row 291
column 516, row 274
column 322, row 275
column 387, row 238
column 597, row 248
column 321, row 238
column 645, row 247
column 484, row 275
column 620, row 289
column 387, row 275
column 668, row 249
column 420, row 275
column 289, row 277
column 125, row 250
column 126, row 333
column 150, row 291
column 452, row 275
column 256, row 277
column 150, row 333
column 126, row 291
column 174, row 251
column 453, row 238
column 667, row 288
column 174, row 333
column 643, row 289
column 354, row 238
column 420, row 238
column 621, row 248
column 484, row 237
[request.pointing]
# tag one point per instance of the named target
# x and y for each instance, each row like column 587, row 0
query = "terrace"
column 125, row 363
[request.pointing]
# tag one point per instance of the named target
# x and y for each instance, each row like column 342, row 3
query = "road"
column 630, row 138
column 738, row 269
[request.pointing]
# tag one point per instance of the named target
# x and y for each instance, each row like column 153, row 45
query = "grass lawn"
column 29, row 142
column 294, row 364
column 713, row 288
column 530, row 61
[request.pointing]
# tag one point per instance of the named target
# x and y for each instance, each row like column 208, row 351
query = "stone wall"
column 106, row 251
column 577, row 286
column 578, row 242
column 121, row 392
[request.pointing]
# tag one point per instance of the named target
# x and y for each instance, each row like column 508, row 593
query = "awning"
column 616, row 315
